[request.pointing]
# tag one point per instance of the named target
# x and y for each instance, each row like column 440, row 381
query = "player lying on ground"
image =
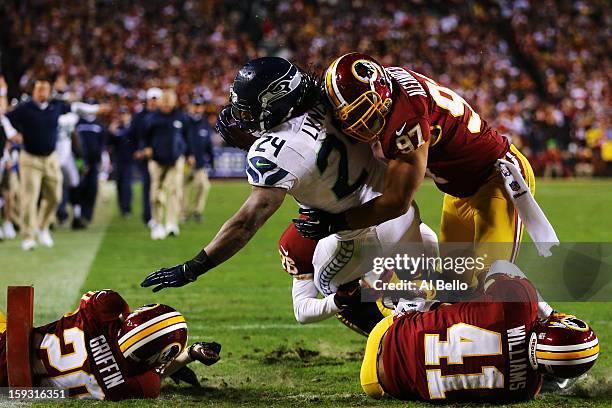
column 424, row 127
column 297, row 254
column 104, row 351
column 299, row 152
column 494, row 348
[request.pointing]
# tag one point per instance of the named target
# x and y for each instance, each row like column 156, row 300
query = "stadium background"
column 540, row 70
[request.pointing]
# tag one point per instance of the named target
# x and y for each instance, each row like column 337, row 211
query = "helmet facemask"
column 364, row 119
column 360, row 92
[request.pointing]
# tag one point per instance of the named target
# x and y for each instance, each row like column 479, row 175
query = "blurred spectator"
column 166, row 141
column 67, row 123
column 123, row 149
column 510, row 59
column 40, row 173
column 92, row 135
column 200, row 140
column 135, row 133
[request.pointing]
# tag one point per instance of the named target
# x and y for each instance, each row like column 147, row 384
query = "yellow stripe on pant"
column 369, row 375
column 2, row 322
column 486, row 218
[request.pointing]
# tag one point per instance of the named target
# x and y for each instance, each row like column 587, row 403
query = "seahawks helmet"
column 268, row 91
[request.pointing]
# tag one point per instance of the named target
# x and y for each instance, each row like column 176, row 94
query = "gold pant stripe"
column 368, row 375
column 2, row 322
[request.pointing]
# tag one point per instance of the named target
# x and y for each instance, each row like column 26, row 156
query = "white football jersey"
column 65, row 126
column 319, row 166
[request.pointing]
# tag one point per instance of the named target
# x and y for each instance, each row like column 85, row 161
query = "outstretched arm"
column 238, row 230
column 231, row 238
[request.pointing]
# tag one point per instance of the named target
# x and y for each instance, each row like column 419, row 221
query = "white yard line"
column 57, row 273
column 295, row 326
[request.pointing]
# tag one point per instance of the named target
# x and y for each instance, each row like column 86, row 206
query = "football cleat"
column 44, row 237
column 28, row 244
column 9, row 230
column 172, row 230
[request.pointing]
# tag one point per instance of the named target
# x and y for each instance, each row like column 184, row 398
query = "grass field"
column 268, row 359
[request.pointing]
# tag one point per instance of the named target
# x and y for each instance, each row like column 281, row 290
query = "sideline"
column 57, row 273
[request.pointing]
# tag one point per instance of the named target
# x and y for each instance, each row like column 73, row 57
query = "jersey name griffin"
column 105, row 362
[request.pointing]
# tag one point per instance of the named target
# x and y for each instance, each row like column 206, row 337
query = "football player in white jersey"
column 65, row 127
column 295, row 150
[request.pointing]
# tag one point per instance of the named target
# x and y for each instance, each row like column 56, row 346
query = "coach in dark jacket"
column 135, row 133
column 200, row 140
column 123, row 149
column 92, row 137
column 37, row 121
column 166, row 138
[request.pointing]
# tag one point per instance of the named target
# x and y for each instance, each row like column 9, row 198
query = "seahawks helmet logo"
column 281, row 87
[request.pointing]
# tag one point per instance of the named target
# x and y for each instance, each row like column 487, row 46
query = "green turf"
column 268, row 359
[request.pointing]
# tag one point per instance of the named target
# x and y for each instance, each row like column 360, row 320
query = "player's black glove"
column 179, row 275
column 348, row 295
column 206, row 353
column 231, row 131
column 319, row 223
column 187, row 375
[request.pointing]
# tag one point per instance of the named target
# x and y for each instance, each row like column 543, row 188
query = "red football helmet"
column 152, row 335
column 360, row 91
column 563, row 346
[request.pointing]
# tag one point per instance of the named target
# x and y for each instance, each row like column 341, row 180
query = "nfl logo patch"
column 515, row 186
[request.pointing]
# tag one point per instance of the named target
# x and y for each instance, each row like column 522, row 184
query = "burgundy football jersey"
column 463, row 147
column 3, row 366
column 296, row 253
column 465, row 351
column 79, row 353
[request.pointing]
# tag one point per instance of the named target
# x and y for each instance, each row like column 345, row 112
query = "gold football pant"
column 166, row 191
column 39, row 175
column 194, row 198
column 487, row 219
column 2, row 322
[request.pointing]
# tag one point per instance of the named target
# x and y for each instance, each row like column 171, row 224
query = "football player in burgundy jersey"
column 103, row 351
column 297, row 253
column 424, row 127
column 494, row 348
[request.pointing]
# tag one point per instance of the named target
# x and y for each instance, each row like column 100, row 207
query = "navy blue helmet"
column 268, row 91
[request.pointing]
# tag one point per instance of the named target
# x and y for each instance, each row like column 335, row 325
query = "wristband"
column 2, row 91
column 340, row 223
column 197, row 266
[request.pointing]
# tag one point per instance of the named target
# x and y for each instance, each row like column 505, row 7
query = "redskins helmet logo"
column 144, row 308
column 365, row 71
column 166, row 355
column 572, row 322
